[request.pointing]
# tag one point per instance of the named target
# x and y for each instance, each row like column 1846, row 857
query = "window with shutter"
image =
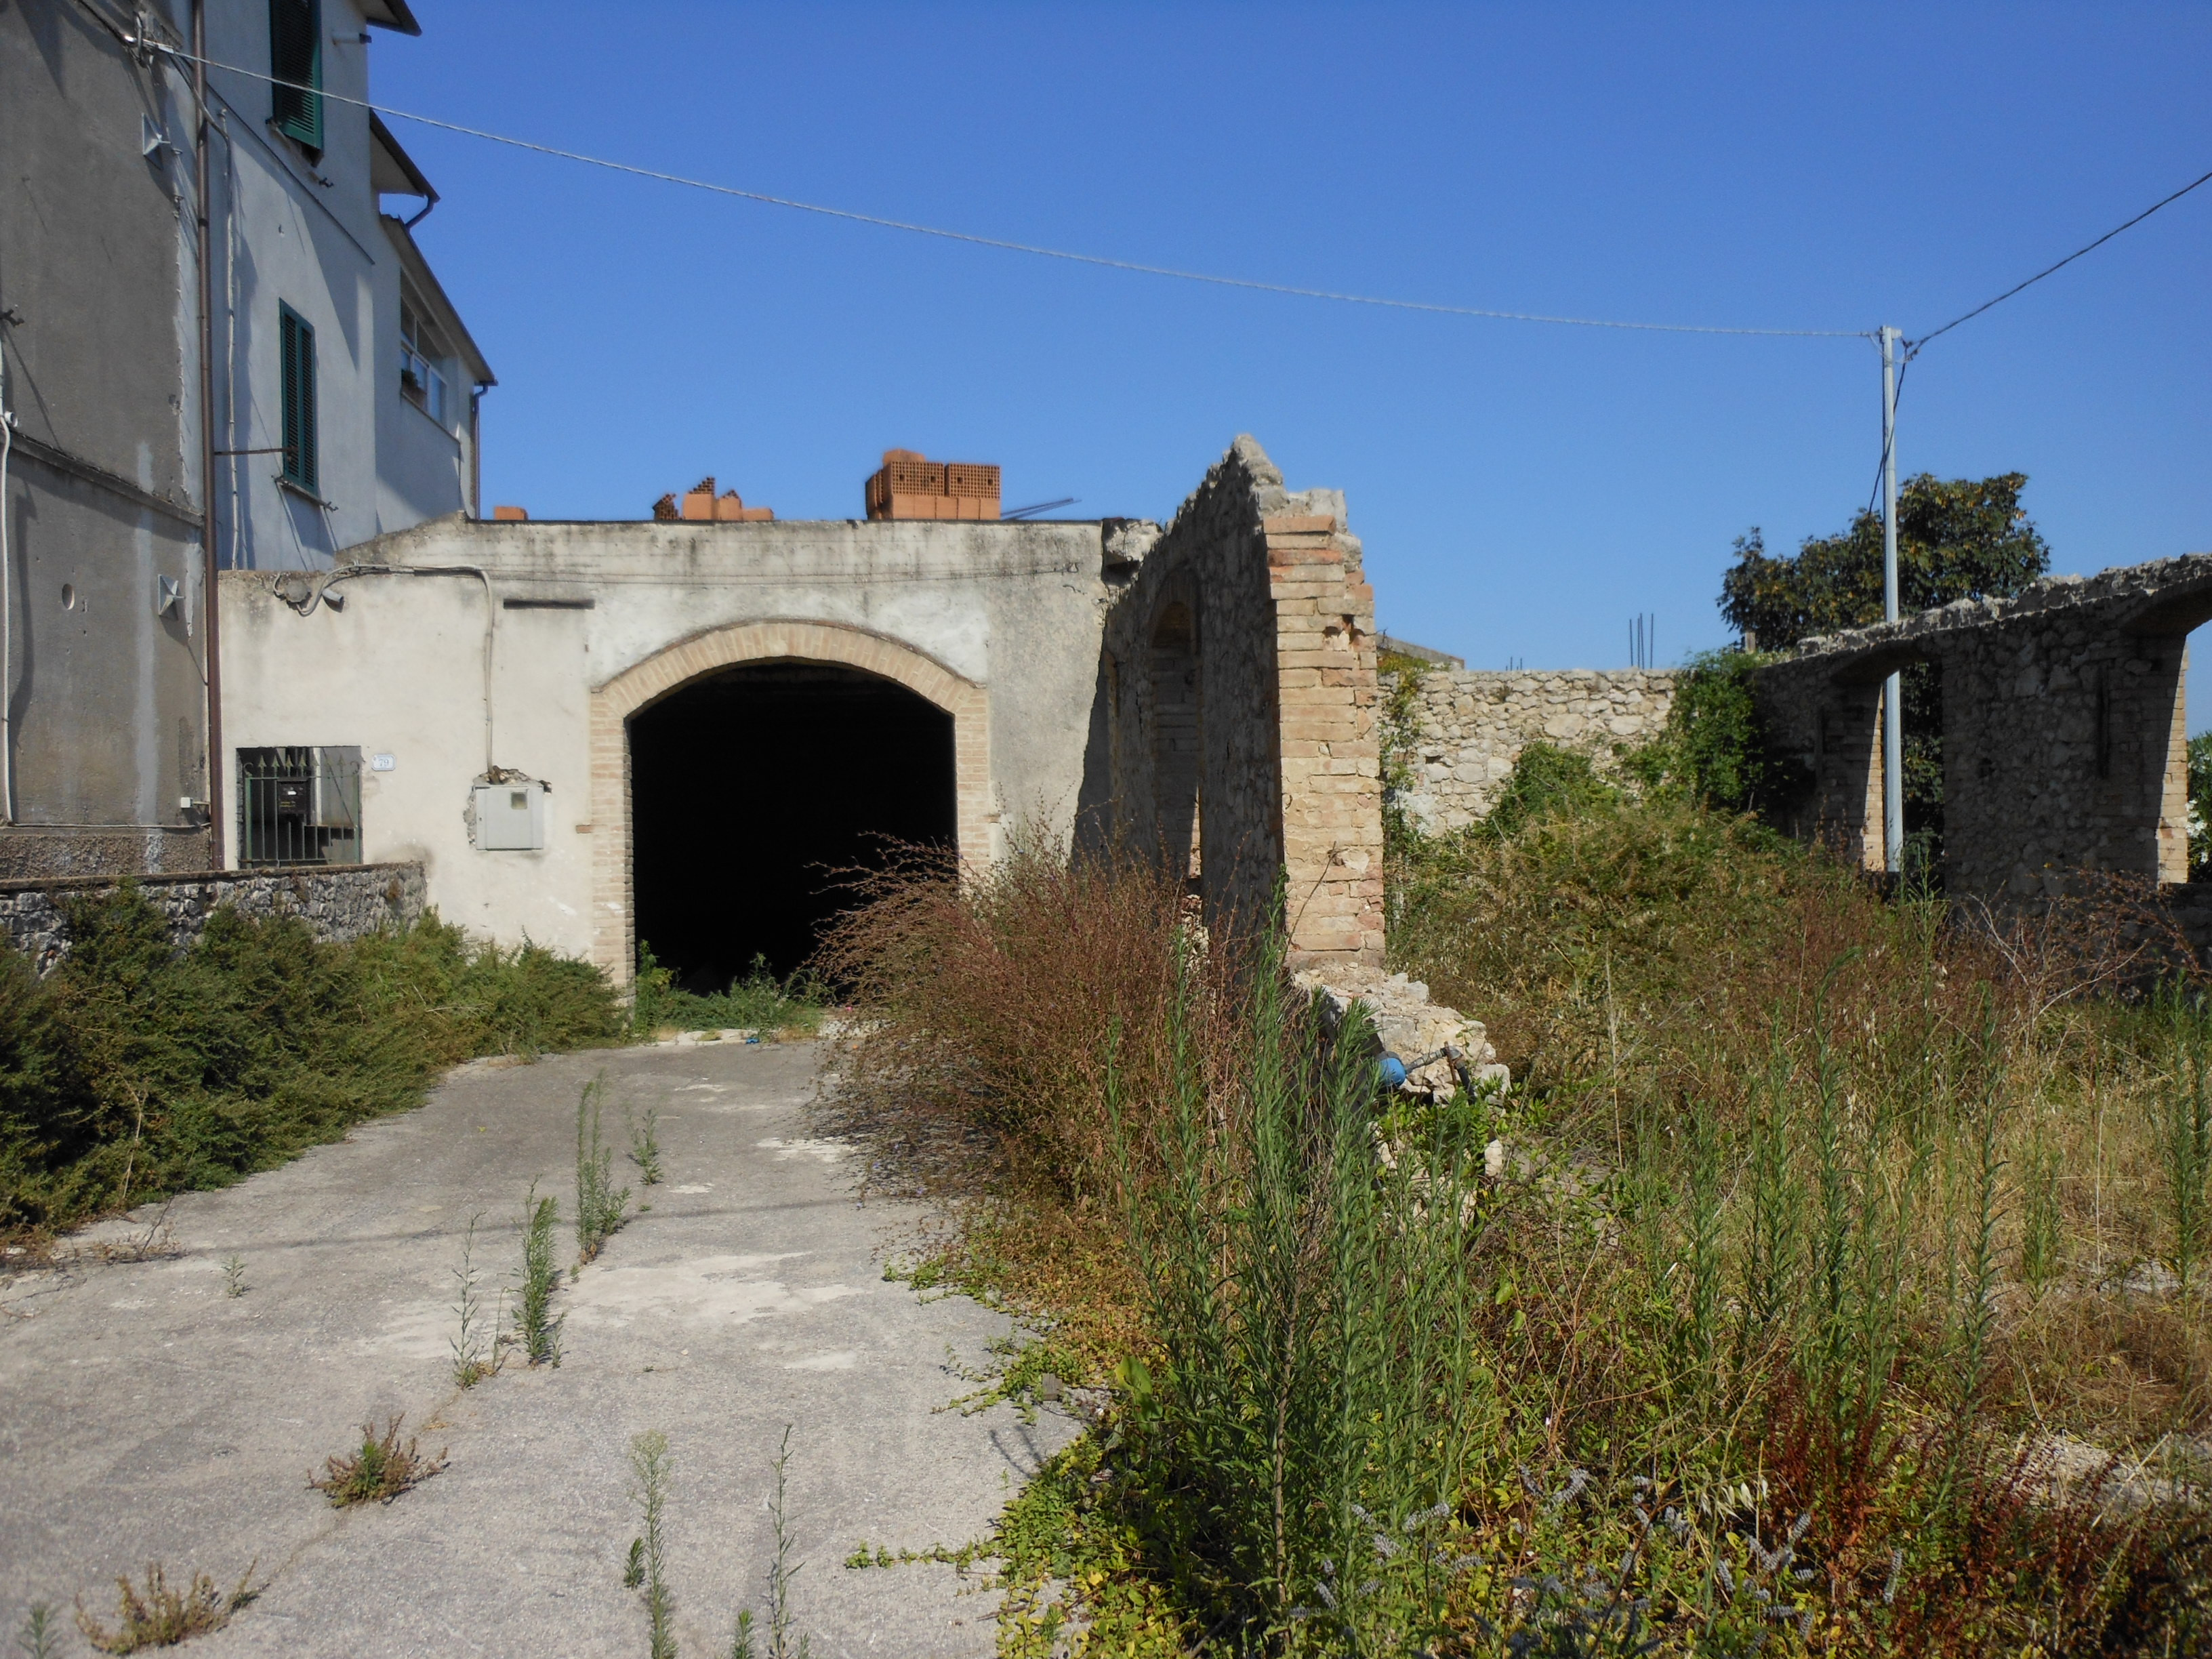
column 295, row 55
column 297, row 352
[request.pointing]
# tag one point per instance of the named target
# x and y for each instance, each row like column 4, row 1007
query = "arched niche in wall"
column 1178, row 723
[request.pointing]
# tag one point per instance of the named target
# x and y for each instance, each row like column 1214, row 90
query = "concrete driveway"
column 145, row 1415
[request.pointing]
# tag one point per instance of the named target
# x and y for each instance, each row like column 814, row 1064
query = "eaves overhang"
column 389, row 14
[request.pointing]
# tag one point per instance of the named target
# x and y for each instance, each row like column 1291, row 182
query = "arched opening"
column 757, row 789
column 1922, row 702
column 1177, row 710
column 2185, row 828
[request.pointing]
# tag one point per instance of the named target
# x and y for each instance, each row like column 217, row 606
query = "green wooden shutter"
column 296, row 353
column 295, row 54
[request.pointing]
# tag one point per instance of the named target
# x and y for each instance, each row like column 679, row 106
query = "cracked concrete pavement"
column 145, row 1415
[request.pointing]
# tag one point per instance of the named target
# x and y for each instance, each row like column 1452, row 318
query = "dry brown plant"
column 163, row 1615
column 988, row 1005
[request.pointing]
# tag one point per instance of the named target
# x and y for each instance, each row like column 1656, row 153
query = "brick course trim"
column 614, row 916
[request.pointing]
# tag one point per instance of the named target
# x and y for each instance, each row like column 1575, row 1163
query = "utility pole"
column 1893, row 689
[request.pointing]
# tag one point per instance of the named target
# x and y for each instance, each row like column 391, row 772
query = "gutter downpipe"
column 476, row 448
column 219, row 850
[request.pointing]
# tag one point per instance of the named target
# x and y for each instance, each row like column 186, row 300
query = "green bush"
column 1714, row 749
column 1546, row 782
column 2200, row 806
column 136, row 1070
column 760, row 1000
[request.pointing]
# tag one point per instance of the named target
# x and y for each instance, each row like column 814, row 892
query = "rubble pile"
column 1409, row 1025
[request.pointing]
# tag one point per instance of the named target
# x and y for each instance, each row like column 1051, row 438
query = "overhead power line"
column 2088, row 247
column 1001, row 243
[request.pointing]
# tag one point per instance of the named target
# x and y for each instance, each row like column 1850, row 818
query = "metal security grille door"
column 299, row 806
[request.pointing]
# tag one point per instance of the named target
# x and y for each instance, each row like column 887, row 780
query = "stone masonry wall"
column 339, row 902
column 1246, row 627
column 1465, row 728
column 2062, row 728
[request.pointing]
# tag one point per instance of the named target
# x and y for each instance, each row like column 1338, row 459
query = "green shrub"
column 1546, row 782
column 1318, row 1387
column 2200, row 806
column 1716, row 744
column 759, row 999
column 136, row 1070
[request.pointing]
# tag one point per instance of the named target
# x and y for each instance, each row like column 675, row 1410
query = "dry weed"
column 377, row 1472
column 985, row 1003
column 163, row 1615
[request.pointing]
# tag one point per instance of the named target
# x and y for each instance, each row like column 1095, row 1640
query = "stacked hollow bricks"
column 701, row 503
column 1331, row 760
column 908, row 487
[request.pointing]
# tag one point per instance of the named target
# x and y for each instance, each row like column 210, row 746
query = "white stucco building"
column 346, row 384
column 697, row 736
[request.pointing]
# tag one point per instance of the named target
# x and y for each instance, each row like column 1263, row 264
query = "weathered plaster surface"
column 998, row 623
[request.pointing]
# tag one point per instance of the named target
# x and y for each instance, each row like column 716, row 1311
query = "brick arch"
column 614, row 917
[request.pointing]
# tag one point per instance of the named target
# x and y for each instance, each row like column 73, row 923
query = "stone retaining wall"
column 339, row 902
column 1466, row 728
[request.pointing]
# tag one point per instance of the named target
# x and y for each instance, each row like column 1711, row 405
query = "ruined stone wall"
column 339, row 902
column 1463, row 729
column 2062, row 728
column 1246, row 629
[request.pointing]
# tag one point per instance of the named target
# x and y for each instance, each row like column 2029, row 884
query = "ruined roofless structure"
column 592, row 733
column 2064, row 728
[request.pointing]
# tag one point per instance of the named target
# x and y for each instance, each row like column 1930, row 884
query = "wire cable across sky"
column 1913, row 347
column 1001, row 243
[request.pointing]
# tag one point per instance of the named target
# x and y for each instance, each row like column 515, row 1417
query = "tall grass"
column 1318, row 1386
column 1802, row 1291
column 601, row 1207
column 136, row 1070
column 650, row 1468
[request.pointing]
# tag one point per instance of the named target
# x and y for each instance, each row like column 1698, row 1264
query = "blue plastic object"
column 1391, row 1072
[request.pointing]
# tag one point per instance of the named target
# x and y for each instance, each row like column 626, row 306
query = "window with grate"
column 295, row 341
column 295, row 55
column 299, row 805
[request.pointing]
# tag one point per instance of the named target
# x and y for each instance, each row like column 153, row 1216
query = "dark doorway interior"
column 752, row 789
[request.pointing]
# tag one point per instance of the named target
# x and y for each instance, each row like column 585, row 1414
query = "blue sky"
column 1521, row 490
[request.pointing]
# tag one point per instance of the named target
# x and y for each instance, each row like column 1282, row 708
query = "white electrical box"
column 510, row 817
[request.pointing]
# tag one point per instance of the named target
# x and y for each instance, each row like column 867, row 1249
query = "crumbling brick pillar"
column 1331, row 755
column 1245, row 634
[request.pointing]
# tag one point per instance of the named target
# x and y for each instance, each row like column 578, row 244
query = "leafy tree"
column 1957, row 538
